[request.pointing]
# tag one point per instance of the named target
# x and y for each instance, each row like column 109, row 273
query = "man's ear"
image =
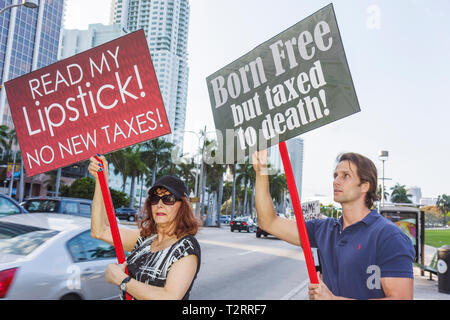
column 365, row 186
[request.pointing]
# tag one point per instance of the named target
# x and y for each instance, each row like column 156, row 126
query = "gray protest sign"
column 293, row 83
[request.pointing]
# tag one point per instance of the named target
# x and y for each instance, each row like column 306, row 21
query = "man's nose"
column 337, row 181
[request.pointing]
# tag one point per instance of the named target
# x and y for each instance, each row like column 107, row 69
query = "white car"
column 53, row 256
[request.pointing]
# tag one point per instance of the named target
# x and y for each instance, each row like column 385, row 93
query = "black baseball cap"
column 173, row 184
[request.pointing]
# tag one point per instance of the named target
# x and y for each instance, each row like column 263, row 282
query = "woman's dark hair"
column 367, row 172
column 185, row 220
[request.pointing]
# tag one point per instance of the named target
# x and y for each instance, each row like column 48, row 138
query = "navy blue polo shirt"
column 354, row 260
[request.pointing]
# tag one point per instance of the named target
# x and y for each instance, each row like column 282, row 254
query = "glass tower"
column 166, row 24
column 29, row 40
column 295, row 148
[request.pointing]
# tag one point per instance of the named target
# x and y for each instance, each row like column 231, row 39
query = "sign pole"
column 112, row 219
column 298, row 213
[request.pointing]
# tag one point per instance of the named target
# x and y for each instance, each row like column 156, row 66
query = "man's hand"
column 320, row 291
column 259, row 159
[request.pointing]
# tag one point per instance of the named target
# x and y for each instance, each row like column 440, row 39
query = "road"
column 239, row 266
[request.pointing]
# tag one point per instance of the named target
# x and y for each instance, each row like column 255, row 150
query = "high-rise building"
column 295, row 150
column 416, row 194
column 74, row 41
column 29, row 40
column 166, row 24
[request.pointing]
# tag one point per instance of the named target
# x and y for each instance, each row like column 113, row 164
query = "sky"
column 397, row 52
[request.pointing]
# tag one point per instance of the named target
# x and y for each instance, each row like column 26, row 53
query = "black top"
column 152, row 267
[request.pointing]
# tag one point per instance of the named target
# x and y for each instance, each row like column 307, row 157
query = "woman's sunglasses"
column 168, row 199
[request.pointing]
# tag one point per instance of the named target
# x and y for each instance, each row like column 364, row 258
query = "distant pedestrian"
column 363, row 255
column 165, row 255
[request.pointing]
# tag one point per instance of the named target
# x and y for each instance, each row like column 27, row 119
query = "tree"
column 233, row 168
column 278, row 186
column 157, row 154
column 433, row 215
column 119, row 199
column 81, row 188
column 136, row 168
column 329, row 210
column 245, row 174
column 187, row 173
column 84, row 188
column 386, row 194
column 443, row 203
column 51, row 180
column 119, row 161
column 213, row 173
column 4, row 138
column 399, row 194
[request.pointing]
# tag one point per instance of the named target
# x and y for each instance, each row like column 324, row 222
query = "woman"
column 165, row 256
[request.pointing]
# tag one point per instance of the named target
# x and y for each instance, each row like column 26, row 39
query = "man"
column 363, row 255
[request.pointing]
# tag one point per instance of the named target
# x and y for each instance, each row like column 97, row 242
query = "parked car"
column 225, row 219
column 9, row 206
column 128, row 214
column 260, row 232
column 74, row 206
column 243, row 223
column 53, row 256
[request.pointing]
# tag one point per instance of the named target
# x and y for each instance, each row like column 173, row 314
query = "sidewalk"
column 424, row 289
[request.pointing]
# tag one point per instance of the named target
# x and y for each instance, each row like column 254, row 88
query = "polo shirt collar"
column 368, row 220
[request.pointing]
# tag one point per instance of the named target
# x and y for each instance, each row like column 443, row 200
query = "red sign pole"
column 112, row 219
column 298, row 213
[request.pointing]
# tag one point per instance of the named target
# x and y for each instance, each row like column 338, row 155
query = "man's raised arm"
column 281, row 228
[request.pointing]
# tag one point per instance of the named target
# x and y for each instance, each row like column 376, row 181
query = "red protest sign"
column 98, row 101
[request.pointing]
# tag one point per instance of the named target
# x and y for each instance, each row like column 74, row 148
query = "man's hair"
column 367, row 172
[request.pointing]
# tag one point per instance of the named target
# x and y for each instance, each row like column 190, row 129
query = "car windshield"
column 7, row 207
column 41, row 205
column 18, row 239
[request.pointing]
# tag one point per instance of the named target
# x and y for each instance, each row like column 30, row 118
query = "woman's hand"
column 115, row 273
column 95, row 166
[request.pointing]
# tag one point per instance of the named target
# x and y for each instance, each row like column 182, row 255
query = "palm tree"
column 278, row 186
column 156, row 154
column 443, row 203
column 245, row 174
column 187, row 173
column 4, row 138
column 119, row 161
column 386, row 194
column 399, row 194
column 135, row 167
column 213, row 174
column 233, row 167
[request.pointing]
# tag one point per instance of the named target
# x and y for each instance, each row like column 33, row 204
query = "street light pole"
column 383, row 156
column 202, row 183
column 28, row 4
column 197, row 164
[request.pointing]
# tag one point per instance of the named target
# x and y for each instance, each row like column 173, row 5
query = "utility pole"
column 201, row 184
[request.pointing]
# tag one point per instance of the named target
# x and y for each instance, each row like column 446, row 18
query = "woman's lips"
column 160, row 214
